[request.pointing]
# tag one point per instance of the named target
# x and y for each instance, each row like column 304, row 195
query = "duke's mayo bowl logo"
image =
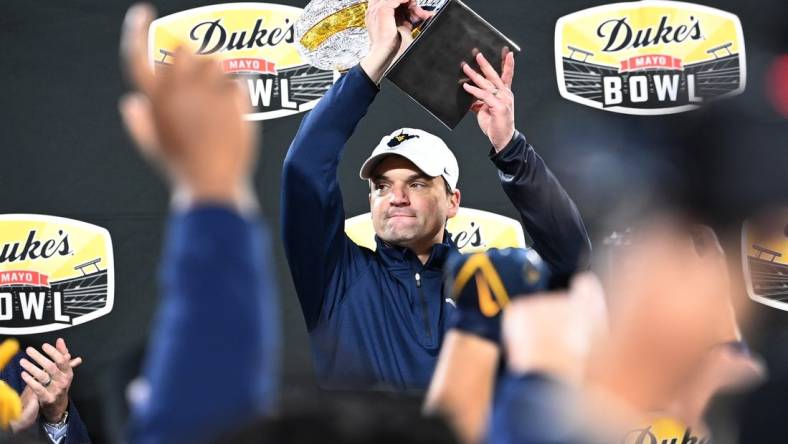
column 255, row 43
column 649, row 57
column 472, row 230
column 54, row 273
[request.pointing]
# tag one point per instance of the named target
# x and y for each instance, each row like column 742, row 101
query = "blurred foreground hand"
column 187, row 119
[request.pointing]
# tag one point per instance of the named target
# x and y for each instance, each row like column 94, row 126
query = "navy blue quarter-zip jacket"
column 377, row 318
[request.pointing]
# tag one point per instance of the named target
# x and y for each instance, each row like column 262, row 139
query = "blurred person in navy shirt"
column 212, row 360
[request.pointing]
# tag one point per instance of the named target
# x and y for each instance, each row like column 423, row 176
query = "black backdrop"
column 64, row 153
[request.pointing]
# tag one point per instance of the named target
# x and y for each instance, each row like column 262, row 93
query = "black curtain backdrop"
column 65, row 153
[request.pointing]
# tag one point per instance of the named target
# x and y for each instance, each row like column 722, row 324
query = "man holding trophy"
column 377, row 318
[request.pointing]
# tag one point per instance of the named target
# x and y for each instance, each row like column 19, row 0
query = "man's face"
column 409, row 208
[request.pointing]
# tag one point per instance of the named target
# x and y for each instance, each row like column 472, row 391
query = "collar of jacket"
column 402, row 257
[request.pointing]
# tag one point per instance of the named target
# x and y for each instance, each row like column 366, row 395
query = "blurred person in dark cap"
column 675, row 339
column 212, row 362
column 671, row 343
column 591, row 366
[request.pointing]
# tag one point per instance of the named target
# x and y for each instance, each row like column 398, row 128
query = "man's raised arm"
column 312, row 211
column 313, row 217
column 548, row 213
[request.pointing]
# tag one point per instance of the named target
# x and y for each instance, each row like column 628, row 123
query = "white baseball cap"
column 426, row 151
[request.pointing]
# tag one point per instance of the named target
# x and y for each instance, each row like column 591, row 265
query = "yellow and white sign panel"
column 472, row 231
column 54, row 273
column 255, row 42
column 649, row 57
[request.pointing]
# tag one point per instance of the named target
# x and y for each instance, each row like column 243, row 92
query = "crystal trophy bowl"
column 331, row 34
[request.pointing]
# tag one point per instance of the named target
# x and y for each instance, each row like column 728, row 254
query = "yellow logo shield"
column 54, row 273
column 255, row 43
column 649, row 57
column 472, row 230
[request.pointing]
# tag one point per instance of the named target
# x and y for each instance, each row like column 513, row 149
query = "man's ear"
column 454, row 203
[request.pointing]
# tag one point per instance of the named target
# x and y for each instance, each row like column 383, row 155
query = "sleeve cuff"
column 244, row 202
column 215, row 211
column 359, row 72
column 518, row 139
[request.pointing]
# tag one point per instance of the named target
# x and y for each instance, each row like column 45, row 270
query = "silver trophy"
column 331, row 34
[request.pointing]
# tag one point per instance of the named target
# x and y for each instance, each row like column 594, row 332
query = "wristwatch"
column 58, row 424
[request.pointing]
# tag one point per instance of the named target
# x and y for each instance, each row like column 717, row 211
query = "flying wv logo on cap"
column 398, row 139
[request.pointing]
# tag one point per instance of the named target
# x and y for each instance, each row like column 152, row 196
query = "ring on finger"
column 49, row 381
column 495, row 92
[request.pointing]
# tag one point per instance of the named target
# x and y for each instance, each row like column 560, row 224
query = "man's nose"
column 399, row 196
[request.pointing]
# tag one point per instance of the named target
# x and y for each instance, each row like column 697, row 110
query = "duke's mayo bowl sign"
column 54, row 273
column 649, row 57
column 255, row 42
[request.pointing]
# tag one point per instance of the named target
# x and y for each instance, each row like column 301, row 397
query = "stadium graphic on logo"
column 255, row 43
column 54, row 273
column 765, row 258
column 649, row 57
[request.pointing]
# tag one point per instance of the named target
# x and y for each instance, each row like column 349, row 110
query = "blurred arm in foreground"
column 212, row 361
